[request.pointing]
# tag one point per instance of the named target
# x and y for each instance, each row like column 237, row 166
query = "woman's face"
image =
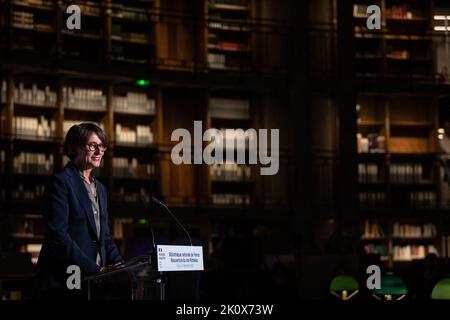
column 90, row 155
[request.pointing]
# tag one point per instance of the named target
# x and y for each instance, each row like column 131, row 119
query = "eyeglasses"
column 94, row 146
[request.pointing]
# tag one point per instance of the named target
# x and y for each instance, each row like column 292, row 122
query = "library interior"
column 362, row 115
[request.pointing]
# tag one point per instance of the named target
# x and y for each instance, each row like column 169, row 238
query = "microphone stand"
column 153, row 259
column 162, row 278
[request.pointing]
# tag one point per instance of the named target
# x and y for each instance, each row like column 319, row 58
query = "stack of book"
column 406, row 173
column 33, row 163
column 236, row 109
column 36, row 127
column 126, row 168
column 134, row 103
column 84, row 99
column 411, row 252
column 414, row 231
column 372, row 143
column 230, row 199
column 141, row 135
column 22, row 193
column 34, row 95
column 230, row 172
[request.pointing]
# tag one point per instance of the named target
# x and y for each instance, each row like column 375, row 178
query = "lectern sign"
column 179, row 258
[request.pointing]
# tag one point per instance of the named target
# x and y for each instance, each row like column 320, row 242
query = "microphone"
column 144, row 203
column 174, row 217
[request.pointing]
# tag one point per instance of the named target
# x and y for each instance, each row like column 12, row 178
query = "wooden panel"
column 409, row 145
column 179, row 183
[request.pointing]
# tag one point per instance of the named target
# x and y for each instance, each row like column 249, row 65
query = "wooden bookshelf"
column 57, row 77
column 229, row 34
column 397, row 143
column 403, row 48
column 230, row 184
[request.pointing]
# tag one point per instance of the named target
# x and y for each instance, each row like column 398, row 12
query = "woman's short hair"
column 78, row 136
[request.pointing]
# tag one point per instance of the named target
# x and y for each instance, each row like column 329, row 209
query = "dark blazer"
column 70, row 233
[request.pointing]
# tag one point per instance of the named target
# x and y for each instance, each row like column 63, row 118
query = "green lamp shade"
column 441, row 291
column 344, row 282
column 391, row 285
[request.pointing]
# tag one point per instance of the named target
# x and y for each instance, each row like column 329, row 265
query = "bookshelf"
column 397, row 149
column 86, row 43
column 399, row 242
column 399, row 175
column 132, row 31
column 56, row 78
column 231, row 184
column 229, row 34
column 404, row 46
column 33, row 26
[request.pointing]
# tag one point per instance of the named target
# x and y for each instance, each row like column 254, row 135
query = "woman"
column 76, row 213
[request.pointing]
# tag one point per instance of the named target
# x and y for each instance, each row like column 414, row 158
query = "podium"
column 144, row 277
column 136, row 279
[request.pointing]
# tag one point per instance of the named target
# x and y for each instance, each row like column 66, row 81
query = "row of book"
column 33, row 163
column 23, row 20
column 373, row 230
column 32, row 3
column 360, row 10
column 376, row 249
column 134, row 103
column 219, row 24
column 23, row 193
column 33, row 95
column 403, row 11
column 372, row 143
column 445, row 246
column 26, row 20
column 413, row 231
column 36, row 127
column 84, row 99
column 372, row 199
column 423, row 199
column 89, row 8
column 392, row 53
column 120, row 54
column 406, row 173
column 130, row 197
column 230, row 199
column 131, row 168
column 412, row 252
column 140, row 135
column 229, row 108
column 368, row 173
column 217, row 60
column 125, row 12
column 230, row 172
column 78, row 98
column 118, row 33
